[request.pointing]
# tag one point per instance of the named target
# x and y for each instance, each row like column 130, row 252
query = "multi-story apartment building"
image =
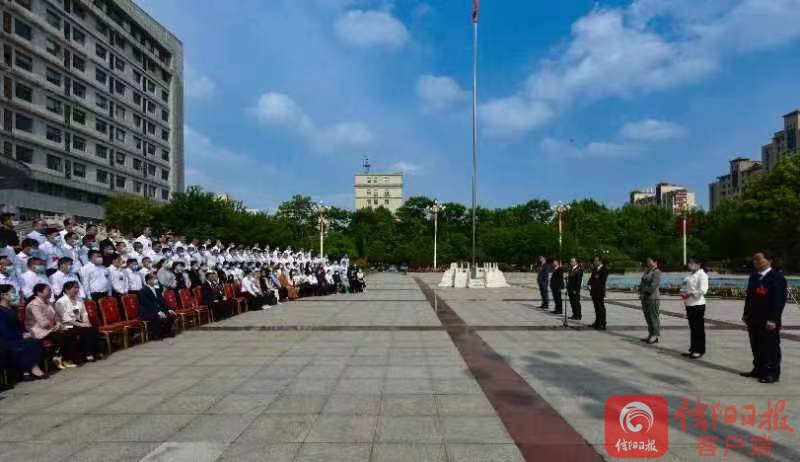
column 375, row 190
column 742, row 170
column 92, row 105
column 674, row 197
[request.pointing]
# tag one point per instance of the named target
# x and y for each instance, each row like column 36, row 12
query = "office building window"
column 102, row 176
column 151, row 149
column 101, row 151
column 164, row 115
column 101, row 101
column 54, row 77
column 120, row 112
column 53, row 47
column 23, row 29
column 164, row 194
column 79, row 143
column 100, row 76
column 120, row 158
column 100, row 51
column 79, row 170
column 165, row 154
column 25, row 3
column 53, row 162
column 79, row 116
column 164, row 95
column 137, row 186
column 24, row 92
column 151, row 169
column 164, row 174
column 53, row 19
column 23, row 61
column 137, row 142
column 78, row 36
column 151, row 107
column 165, row 135
column 120, row 135
column 78, row 63
column 53, row 134
column 119, row 87
column 137, row 98
column 24, row 154
column 24, row 123
column 78, row 89
column 119, row 63
column 151, row 128
column 100, row 126
column 137, row 120
column 54, row 105
column 137, row 165
column 151, row 191
column 151, row 87
column 121, row 182
column 137, row 77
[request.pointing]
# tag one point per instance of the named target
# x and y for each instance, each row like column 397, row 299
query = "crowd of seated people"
column 64, row 290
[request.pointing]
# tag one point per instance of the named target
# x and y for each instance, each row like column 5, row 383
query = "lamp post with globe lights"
column 435, row 209
column 560, row 210
column 320, row 210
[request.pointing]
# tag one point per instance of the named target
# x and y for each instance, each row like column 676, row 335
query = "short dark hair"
column 33, row 261
column 69, row 285
column 38, row 288
column 5, row 216
column 93, row 252
column 67, row 220
column 766, row 253
column 6, row 288
column 28, row 242
column 63, row 260
column 88, row 238
column 70, row 234
column 132, row 260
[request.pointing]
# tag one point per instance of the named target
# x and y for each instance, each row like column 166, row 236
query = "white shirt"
column 28, row 281
column 21, row 263
column 695, row 286
column 69, row 251
column 58, row 279
column 146, row 242
column 135, row 279
column 9, row 280
column 37, row 236
column 97, row 279
column 50, row 253
column 119, row 280
column 134, row 254
column 66, row 310
column 765, row 272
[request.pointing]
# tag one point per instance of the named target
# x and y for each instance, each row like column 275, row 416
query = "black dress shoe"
column 752, row 373
column 768, row 379
column 687, row 354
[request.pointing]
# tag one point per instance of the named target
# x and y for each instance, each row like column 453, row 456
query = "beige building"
column 375, row 190
column 667, row 195
column 92, row 105
column 742, row 170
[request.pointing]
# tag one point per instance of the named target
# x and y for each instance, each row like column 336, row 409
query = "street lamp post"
column 435, row 210
column 320, row 210
column 560, row 210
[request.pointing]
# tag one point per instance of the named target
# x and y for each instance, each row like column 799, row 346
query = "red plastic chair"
column 231, row 294
column 130, row 305
column 109, row 310
column 94, row 319
column 185, row 315
column 188, row 301
column 198, row 301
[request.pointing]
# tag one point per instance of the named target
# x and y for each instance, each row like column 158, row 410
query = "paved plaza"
column 404, row 372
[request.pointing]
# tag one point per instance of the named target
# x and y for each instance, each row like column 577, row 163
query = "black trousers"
column 599, row 302
column 557, row 300
column 697, row 329
column 66, row 344
column 88, row 342
column 221, row 309
column 766, row 348
column 545, row 295
column 158, row 327
column 575, row 303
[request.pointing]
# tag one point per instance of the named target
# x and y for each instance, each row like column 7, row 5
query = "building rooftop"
column 796, row 111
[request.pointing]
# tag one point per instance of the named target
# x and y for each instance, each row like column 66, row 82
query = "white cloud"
column 652, row 130
column 197, row 85
column 599, row 149
column 371, row 28
column 649, row 46
column 439, row 92
column 407, row 168
column 278, row 109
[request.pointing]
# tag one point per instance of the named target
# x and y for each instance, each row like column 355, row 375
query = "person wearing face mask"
column 693, row 291
column 87, row 244
column 22, row 355
column 119, row 280
column 50, row 250
column 135, row 278
column 42, row 322
column 146, row 268
column 153, row 309
column 108, row 254
column 36, row 274
column 70, row 226
column 7, row 231
column 8, row 274
column 95, row 277
column 69, row 249
column 64, row 275
column 72, row 312
column 38, row 231
column 649, row 294
column 144, row 239
column 166, row 278
column 29, row 248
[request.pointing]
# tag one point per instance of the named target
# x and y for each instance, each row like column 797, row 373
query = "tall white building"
column 373, row 190
column 92, row 105
column 672, row 196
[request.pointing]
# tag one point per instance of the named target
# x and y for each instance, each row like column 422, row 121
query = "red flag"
column 475, row 11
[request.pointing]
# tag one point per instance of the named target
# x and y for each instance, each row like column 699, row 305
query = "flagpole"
column 474, row 129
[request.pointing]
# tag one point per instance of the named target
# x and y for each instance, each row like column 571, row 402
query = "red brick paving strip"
column 537, row 429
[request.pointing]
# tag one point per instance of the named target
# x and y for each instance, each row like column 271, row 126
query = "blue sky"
column 576, row 98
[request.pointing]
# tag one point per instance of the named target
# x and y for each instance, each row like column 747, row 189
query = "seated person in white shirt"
column 72, row 314
column 64, row 274
column 35, row 274
column 50, row 249
column 135, row 278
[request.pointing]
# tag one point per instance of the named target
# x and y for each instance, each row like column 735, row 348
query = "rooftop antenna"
column 366, row 164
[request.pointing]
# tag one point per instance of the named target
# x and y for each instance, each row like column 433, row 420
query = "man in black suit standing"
column 541, row 280
column 763, row 309
column 557, row 285
column 214, row 296
column 597, row 289
column 153, row 309
column 574, row 281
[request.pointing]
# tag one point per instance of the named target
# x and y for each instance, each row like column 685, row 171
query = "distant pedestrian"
column 763, row 309
column 597, row 289
column 693, row 292
column 574, row 282
column 649, row 289
column 542, row 281
column 557, row 285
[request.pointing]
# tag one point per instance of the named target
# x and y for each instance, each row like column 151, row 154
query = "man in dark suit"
column 153, row 309
column 214, row 296
column 574, row 281
column 597, row 289
column 557, row 285
column 763, row 309
column 541, row 281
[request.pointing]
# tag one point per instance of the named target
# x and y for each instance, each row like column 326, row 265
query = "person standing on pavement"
column 557, row 285
column 693, row 292
column 597, row 289
column 763, row 309
column 541, row 280
column 649, row 289
column 574, row 281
